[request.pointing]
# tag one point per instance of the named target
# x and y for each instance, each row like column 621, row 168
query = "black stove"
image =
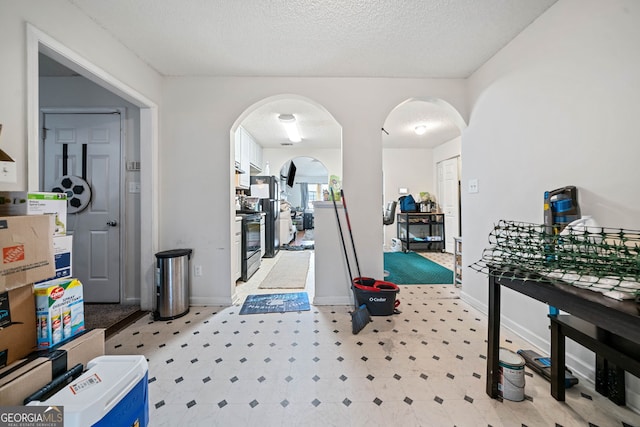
column 251, row 243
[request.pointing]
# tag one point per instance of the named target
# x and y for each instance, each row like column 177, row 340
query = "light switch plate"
column 473, row 186
column 134, row 187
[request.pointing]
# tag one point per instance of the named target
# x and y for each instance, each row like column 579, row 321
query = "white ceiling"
column 327, row 38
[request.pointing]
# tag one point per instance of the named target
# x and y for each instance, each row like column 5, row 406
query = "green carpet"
column 411, row 268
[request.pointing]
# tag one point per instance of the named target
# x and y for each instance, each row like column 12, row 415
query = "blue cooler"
column 112, row 391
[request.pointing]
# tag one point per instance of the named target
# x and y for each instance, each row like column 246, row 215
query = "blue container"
column 113, row 391
column 562, row 205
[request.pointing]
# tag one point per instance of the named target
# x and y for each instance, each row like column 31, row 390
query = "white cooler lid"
column 99, row 389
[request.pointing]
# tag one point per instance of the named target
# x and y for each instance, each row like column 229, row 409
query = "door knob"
column 112, row 223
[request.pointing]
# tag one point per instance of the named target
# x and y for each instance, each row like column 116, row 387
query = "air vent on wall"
column 286, row 144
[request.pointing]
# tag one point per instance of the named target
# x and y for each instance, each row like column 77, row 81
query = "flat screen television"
column 291, row 175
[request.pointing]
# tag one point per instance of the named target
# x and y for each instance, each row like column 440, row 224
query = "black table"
column 617, row 317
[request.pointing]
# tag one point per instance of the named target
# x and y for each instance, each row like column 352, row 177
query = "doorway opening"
column 316, row 156
column 421, row 142
column 311, row 185
column 137, row 287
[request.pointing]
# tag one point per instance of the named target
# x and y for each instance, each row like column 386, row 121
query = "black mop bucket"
column 378, row 296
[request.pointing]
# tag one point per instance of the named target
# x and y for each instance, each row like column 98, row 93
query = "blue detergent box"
column 113, row 391
column 62, row 256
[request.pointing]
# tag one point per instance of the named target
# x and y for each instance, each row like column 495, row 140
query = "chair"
column 389, row 214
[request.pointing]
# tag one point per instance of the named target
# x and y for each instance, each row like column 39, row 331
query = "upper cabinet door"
column 238, row 146
column 244, row 158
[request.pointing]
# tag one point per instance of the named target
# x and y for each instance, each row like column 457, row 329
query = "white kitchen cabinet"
column 256, row 156
column 248, row 156
column 245, row 144
column 236, row 253
column 238, row 147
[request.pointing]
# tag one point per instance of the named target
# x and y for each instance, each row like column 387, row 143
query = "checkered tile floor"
column 423, row 367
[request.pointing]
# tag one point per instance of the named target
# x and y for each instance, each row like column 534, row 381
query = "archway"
column 309, row 184
column 321, row 140
column 421, row 140
column 39, row 42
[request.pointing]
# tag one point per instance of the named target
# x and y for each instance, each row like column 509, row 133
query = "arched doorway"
column 309, row 184
column 321, row 141
column 421, row 142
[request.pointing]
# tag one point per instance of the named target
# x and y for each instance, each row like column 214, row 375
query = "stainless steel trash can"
column 172, row 284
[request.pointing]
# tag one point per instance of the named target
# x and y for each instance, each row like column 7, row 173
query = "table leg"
column 557, row 361
column 493, row 339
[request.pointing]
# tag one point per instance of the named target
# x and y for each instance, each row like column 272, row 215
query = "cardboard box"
column 37, row 203
column 26, row 376
column 62, row 255
column 8, row 168
column 59, row 311
column 27, row 250
column 17, row 324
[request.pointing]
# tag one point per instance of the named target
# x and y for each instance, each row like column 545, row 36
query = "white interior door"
column 449, row 182
column 96, row 228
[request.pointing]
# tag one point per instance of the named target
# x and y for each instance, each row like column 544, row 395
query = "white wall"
column 446, row 151
column 557, row 106
column 200, row 114
column 65, row 23
column 278, row 157
column 74, row 92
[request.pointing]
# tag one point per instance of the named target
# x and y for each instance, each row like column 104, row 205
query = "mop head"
column 359, row 318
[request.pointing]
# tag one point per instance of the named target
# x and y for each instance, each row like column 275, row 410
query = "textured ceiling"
column 355, row 38
column 320, row 38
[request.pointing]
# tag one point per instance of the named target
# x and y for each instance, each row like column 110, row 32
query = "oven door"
column 251, row 244
column 252, row 236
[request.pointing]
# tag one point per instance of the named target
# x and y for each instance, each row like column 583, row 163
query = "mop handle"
column 353, row 244
column 344, row 246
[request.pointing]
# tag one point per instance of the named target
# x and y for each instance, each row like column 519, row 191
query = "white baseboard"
column 332, row 300
column 540, row 344
column 215, row 301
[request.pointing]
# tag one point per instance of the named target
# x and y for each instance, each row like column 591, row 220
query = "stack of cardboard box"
column 28, row 271
column 54, row 205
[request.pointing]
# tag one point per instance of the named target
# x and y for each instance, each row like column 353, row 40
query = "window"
column 315, row 193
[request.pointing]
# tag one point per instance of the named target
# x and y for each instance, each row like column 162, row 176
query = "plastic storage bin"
column 112, row 392
column 172, row 284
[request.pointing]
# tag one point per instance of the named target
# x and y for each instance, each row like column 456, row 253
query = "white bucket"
column 511, row 370
column 396, row 245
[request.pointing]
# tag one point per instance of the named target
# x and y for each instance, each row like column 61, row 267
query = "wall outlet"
column 197, row 270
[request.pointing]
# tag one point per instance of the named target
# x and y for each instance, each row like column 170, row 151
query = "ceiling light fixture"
column 290, row 126
column 420, row 129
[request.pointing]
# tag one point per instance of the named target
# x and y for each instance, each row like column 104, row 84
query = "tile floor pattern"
column 423, row 367
column 443, row 258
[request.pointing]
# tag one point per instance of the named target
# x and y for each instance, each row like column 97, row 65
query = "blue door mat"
column 275, row 303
